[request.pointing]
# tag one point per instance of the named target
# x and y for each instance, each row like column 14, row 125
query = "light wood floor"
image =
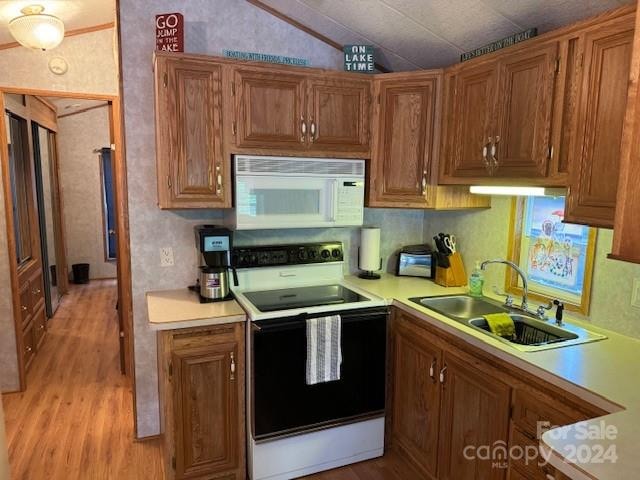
column 75, row 420
column 390, row 467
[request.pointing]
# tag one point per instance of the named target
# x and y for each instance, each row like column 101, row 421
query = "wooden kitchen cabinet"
column 191, row 167
column 202, row 400
column 404, row 160
column 475, row 412
column 602, row 106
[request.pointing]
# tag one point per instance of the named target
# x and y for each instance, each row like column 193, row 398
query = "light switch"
column 166, row 257
column 635, row 293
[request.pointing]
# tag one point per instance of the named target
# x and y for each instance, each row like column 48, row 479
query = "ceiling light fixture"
column 518, row 191
column 37, row 30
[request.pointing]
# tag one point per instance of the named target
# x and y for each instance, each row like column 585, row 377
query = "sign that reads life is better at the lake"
column 170, row 32
column 359, row 58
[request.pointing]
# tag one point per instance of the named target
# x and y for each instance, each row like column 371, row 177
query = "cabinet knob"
column 36, row 291
column 424, row 182
column 28, row 349
column 314, row 131
column 24, row 308
column 42, row 327
column 442, row 372
column 303, row 129
column 233, row 366
column 432, row 370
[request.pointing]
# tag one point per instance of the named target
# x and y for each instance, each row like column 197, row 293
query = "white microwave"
column 288, row 192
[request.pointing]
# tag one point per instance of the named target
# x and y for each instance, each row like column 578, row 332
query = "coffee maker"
column 214, row 244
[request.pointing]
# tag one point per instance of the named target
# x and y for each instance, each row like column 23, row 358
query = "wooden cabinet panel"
column 270, row 109
column 39, row 327
column 206, row 406
column 36, row 290
column 406, row 131
column 191, row 167
column 473, row 107
column 475, row 412
column 339, row 114
column 523, row 136
column 595, row 171
column 416, row 397
column 25, row 304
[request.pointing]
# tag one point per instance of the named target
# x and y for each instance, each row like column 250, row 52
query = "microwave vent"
column 296, row 166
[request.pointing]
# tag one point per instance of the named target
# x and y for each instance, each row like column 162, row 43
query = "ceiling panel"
column 411, row 34
column 74, row 13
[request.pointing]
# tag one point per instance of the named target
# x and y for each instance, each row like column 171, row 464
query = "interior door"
column 189, row 134
column 523, row 136
column 595, row 170
column 416, row 396
column 402, row 158
column 473, row 109
column 207, row 407
column 339, row 115
column 475, row 413
column 270, row 109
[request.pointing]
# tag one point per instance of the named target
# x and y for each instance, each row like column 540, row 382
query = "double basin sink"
column 531, row 334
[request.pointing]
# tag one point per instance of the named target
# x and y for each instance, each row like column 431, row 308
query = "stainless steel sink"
column 460, row 307
column 533, row 335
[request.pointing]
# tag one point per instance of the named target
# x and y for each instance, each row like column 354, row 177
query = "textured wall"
column 484, row 235
column 81, row 188
column 92, row 65
column 211, row 26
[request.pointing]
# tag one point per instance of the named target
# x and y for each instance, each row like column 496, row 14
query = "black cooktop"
column 302, row 297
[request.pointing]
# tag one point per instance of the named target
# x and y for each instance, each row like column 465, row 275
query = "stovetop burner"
column 302, row 297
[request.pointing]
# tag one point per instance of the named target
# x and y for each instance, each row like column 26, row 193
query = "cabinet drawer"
column 25, row 304
column 205, row 337
column 35, row 287
column 39, row 327
column 526, row 465
column 28, row 346
column 531, row 408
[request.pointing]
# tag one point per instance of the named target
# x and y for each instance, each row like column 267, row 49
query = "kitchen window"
column 108, row 204
column 557, row 257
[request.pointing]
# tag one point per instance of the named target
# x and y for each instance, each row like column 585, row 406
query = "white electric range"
column 295, row 429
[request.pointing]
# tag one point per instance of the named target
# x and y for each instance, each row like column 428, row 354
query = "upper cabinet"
column 404, row 160
column 277, row 112
column 499, row 117
column 602, row 105
column 191, row 169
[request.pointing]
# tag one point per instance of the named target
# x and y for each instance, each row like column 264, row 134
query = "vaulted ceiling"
column 413, row 34
column 75, row 14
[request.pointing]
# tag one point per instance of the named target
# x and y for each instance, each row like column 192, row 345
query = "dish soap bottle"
column 476, row 281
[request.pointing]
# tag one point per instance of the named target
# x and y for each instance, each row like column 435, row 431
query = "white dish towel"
column 324, row 349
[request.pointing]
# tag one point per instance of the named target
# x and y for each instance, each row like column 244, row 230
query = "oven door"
column 282, row 402
column 264, row 201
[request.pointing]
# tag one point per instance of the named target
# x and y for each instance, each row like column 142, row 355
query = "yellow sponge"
column 501, row 324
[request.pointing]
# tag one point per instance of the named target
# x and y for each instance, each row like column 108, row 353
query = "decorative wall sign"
column 497, row 45
column 359, row 58
column 170, row 32
column 265, row 57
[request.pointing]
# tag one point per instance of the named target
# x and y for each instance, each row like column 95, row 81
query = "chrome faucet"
column 525, row 286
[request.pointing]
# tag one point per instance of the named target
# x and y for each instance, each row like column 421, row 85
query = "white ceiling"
column 412, row 34
column 65, row 105
column 74, row 13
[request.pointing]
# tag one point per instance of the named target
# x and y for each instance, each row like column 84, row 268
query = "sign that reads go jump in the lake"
column 170, row 32
column 359, row 58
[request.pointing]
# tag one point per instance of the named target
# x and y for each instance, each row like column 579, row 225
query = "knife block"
column 455, row 275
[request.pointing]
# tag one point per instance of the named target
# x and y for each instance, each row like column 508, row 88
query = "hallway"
column 75, row 421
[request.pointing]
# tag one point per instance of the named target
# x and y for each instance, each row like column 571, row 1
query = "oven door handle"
column 294, row 322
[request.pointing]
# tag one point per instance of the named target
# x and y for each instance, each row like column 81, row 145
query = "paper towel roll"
column 369, row 258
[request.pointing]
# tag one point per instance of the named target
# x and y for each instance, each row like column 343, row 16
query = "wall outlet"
column 635, row 293
column 166, row 257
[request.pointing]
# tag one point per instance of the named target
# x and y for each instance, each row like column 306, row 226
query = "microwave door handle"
column 334, row 202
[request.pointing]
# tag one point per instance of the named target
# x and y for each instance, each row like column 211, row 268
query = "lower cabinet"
column 202, row 396
column 454, row 411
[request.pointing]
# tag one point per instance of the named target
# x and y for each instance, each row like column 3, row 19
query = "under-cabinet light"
column 518, row 191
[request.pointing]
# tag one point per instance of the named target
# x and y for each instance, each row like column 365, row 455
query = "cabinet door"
column 406, row 136
column 523, row 136
column 191, row 167
column 416, row 397
column 596, row 166
column 473, row 107
column 270, row 110
column 207, row 403
column 475, row 413
column 339, row 113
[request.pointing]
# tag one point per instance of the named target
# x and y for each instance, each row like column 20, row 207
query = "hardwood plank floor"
column 75, row 420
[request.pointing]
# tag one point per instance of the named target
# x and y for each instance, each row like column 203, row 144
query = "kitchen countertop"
column 603, row 373
column 181, row 308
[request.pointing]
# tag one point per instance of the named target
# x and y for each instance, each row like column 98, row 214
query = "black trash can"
column 80, row 272
column 54, row 276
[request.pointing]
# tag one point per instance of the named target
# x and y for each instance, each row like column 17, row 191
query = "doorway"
column 36, row 204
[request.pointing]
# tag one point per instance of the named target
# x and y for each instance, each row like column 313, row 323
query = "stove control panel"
column 276, row 255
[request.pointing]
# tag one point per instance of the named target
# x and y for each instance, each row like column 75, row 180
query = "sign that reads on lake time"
column 359, row 58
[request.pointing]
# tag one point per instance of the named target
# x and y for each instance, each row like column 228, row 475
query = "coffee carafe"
column 214, row 244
